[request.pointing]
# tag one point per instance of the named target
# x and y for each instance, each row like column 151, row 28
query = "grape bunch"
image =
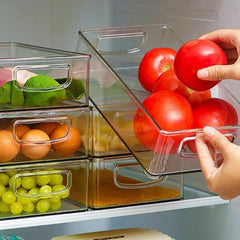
column 35, row 192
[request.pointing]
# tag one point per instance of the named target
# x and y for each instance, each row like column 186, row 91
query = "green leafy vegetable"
column 10, row 93
column 17, row 98
column 5, row 93
column 40, row 91
column 75, row 90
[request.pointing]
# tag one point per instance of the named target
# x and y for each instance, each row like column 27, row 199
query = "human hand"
column 223, row 179
column 229, row 41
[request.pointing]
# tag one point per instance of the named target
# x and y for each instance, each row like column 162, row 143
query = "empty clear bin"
column 121, row 181
column 31, row 136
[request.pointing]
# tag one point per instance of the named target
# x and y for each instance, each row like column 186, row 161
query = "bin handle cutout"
column 139, row 185
column 182, row 152
column 17, row 122
column 139, row 37
column 61, row 192
column 34, row 68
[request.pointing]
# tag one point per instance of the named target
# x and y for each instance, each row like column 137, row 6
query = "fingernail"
column 202, row 74
column 209, row 131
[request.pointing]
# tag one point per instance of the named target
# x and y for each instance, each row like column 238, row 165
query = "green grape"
column 11, row 173
column 29, row 207
column 43, row 180
column 2, row 189
column 25, row 171
column 23, row 200
column 22, row 190
column 8, row 189
column 43, row 205
column 56, row 179
column 55, row 199
column 55, row 206
column 16, row 208
column 8, row 197
column 45, row 189
column 16, row 181
column 32, row 192
column 64, row 193
column 4, row 179
column 29, row 182
column 4, row 207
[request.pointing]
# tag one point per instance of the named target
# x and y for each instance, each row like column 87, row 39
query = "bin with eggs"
column 42, row 135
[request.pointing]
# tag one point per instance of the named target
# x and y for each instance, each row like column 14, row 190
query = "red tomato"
column 195, row 55
column 153, row 64
column 213, row 112
column 168, row 81
column 171, row 112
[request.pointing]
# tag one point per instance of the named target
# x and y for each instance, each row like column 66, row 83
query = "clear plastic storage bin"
column 44, row 188
column 38, row 77
column 103, row 140
column 30, row 136
column 114, row 87
column 121, row 181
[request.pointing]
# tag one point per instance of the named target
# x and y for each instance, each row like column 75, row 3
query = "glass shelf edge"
column 35, row 221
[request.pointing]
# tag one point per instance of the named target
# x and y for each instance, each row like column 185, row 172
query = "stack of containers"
column 44, row 163
column 117, row 177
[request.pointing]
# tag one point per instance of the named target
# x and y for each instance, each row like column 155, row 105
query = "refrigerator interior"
column 55, row 23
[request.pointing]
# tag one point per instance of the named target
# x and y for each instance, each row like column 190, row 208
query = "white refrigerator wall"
column 55, row 23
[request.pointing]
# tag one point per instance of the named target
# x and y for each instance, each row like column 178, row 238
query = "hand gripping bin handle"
column 114, row 85
column 230, row 132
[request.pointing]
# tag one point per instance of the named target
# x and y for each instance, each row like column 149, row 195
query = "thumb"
column 217, row 140
column 219, row 72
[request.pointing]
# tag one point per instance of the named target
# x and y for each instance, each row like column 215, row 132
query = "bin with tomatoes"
column 178, row 99
column 46, row 135
column 142, row 79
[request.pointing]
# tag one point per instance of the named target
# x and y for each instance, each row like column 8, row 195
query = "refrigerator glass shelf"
column 192, row 198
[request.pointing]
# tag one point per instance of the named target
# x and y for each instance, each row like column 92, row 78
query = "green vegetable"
column 5, row 93
column 10, row 93
column 17, row 98
column 75, row 90
column 39, row 91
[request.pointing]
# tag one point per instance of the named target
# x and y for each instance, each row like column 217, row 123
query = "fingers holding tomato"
column 194, row 55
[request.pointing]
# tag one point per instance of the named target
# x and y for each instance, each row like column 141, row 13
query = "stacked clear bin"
column 43, row 161
column 116, row 95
